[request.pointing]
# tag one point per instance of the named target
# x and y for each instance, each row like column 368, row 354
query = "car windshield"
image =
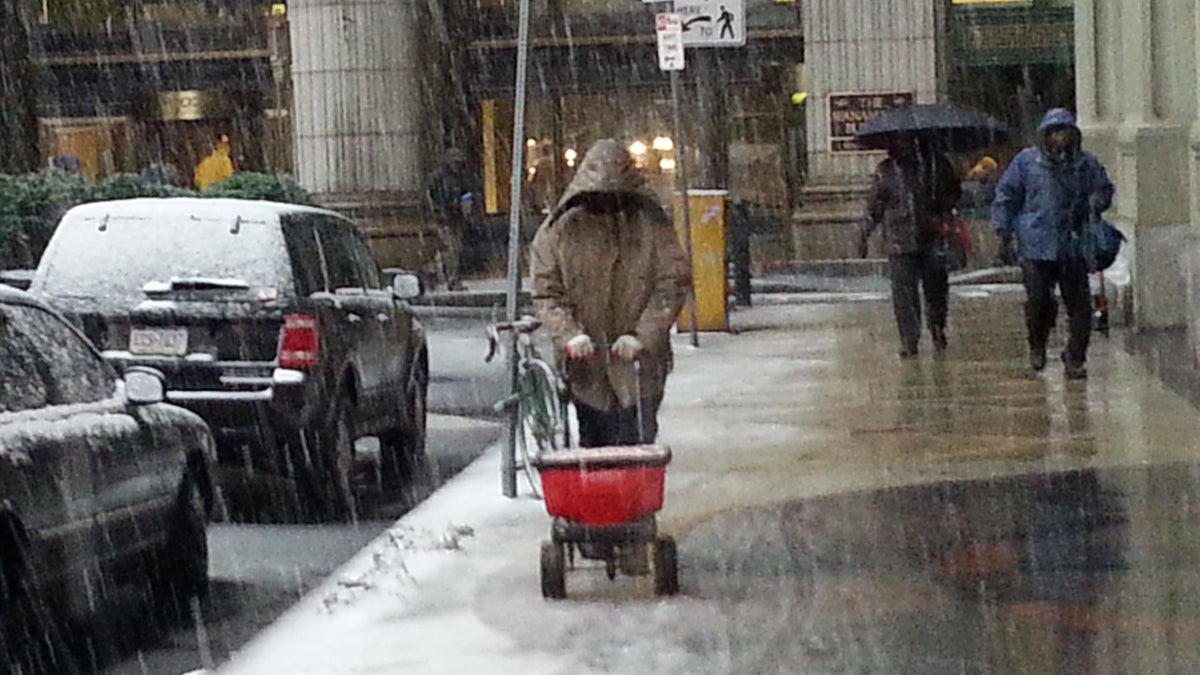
column 123, row 260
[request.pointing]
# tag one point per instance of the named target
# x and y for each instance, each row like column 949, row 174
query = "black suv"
column 272, row 321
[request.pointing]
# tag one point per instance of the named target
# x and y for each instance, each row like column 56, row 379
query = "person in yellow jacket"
column 216, row 167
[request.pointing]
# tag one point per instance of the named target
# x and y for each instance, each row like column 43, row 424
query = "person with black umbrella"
column 913, row 190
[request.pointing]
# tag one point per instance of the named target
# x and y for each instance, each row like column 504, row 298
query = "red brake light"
column 301, row 343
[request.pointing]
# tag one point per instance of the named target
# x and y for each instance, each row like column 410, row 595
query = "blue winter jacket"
column 1046, row 203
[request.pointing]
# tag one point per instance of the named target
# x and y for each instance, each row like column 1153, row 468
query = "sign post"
column 669, row 29
column 508, row 459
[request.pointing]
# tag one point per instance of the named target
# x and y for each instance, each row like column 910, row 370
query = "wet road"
column 258, row 571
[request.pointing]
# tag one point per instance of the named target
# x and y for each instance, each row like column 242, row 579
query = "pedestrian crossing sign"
column 712, row 23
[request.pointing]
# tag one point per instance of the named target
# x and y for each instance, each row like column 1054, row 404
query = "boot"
column 1072, row 369
column 938, row 334
column 1037, row 358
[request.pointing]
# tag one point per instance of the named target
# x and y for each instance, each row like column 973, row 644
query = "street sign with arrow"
column 713, row 23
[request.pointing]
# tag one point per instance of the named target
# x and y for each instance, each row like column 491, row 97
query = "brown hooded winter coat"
column 608, row 275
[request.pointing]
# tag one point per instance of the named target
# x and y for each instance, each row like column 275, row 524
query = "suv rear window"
column 112, row 259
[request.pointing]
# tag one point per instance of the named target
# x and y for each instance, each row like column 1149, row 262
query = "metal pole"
column 681, row 182
column 508, row 462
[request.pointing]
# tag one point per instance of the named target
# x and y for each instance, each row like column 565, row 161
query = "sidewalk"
column 836, row 281
column 814, row 473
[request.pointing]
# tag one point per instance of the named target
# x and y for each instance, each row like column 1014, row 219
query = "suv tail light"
column 301, row 342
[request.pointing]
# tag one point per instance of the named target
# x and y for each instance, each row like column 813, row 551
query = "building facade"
column 332, row 91
column 1012, row 59
column 594, row 74
column 1139, row 104
column 126, row 85
column 358, row 98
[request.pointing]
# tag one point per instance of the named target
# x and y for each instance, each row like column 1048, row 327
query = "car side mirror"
column 406, row 286
column 144, row 386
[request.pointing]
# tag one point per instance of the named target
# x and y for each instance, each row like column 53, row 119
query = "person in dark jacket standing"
column 737, row 245
column 1045, row 200
column 912, row 191
column 452, row 197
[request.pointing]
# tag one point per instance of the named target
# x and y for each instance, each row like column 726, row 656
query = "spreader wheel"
column 666, row 566
column 554, row 571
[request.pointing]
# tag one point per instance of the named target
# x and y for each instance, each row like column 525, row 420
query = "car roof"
column 194, row 206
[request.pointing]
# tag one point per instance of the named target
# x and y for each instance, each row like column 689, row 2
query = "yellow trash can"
column 706, row 211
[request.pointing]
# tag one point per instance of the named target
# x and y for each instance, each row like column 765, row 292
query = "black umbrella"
column 956, row 129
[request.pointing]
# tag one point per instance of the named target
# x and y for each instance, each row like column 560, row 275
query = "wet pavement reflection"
column 1087, row 571
column 948, row 515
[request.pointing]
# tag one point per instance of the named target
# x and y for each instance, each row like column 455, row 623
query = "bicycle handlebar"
column 524, row 326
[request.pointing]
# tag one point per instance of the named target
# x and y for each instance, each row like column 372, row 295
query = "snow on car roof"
column 192, row 206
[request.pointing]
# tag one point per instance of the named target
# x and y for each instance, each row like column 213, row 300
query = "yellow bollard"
column 709, row 278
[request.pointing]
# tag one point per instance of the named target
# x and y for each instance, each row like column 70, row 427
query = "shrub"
column 30, row 206
column 130, row 186
column 264, row 186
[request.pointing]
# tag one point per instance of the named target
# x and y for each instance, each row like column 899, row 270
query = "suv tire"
column 182, row 572
column 402, row 451
column 334, row 455
column 32, row 638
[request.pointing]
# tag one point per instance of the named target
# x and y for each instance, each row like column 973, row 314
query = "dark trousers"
column 911, row 273
column 1041, row 309
column 619, row 426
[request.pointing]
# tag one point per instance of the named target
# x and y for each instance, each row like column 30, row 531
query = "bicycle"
column 540, row 396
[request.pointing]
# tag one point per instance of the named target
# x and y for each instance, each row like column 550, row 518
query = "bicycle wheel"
column 543, row 409
column 524, row 457
column 542, row 416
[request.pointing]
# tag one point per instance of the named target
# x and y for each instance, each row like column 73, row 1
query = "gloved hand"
column 581, row 347
column 627, row 347
column 1007, row 255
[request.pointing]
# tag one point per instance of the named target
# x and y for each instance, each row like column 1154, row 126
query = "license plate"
column 158, row 341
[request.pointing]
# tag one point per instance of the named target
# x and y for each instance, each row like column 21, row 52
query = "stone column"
column 1193, row 245
column 855, row 46
column 356, row 72
column 1195, row 135
column 1086, row 82
column 1137, row 46
column 1151, row 167
column 863, row 46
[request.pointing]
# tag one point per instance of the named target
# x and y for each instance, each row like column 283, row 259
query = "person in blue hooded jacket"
column 1044, row 203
